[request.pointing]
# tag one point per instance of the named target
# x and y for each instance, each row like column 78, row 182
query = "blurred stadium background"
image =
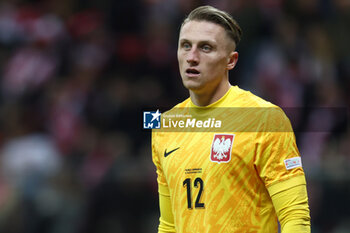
column 75, row 76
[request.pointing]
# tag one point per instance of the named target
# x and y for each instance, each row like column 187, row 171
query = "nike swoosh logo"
column 168, row 153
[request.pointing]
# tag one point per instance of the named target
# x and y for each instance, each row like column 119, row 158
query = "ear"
column 232, row 60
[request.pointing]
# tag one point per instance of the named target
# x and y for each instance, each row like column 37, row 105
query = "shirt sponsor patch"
column 292, row 163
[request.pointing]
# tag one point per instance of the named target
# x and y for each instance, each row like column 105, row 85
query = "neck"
column 205, row 98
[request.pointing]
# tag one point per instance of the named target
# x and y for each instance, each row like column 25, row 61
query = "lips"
column 192, row 72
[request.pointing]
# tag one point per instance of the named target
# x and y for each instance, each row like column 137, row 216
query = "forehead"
column 201, row 30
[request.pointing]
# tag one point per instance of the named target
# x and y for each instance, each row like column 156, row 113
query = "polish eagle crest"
column 221, row 147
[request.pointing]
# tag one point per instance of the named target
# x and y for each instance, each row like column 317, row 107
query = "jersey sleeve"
column 156, row 160
column 292, row 209
column 166, row 220
column 277, row 157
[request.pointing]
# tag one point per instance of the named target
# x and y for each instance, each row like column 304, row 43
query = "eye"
column 186, row 45
column 206, row 48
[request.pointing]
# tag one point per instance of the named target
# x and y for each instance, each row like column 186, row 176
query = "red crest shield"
column 221, row 148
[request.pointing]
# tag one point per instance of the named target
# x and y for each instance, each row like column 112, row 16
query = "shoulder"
column 177, row 110
column 274, row 118
column 248, row 99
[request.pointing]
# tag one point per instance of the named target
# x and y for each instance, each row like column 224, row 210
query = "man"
column 236, row 181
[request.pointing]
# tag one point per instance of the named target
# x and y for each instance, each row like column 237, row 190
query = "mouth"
column 191, row 72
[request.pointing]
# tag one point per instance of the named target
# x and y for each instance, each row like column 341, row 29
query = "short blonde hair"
column 214, row 15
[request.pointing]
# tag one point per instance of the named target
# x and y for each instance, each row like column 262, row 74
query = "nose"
column 193, row 56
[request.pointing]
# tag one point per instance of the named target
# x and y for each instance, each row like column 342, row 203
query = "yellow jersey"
column 222, row 181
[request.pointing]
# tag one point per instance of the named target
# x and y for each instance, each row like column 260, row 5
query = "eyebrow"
column 211, row 42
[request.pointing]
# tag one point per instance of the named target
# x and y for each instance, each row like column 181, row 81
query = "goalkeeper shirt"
column 222, row 180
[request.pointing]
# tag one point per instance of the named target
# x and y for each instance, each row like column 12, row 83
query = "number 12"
column 187, row 184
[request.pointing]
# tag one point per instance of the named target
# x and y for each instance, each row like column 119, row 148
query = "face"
column 205, row 54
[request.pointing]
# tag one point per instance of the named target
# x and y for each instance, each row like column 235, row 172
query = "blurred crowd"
column 75, row 77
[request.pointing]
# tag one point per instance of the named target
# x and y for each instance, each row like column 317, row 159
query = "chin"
column 191, row 85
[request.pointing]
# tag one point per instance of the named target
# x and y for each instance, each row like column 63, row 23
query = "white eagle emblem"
column 221, row 148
